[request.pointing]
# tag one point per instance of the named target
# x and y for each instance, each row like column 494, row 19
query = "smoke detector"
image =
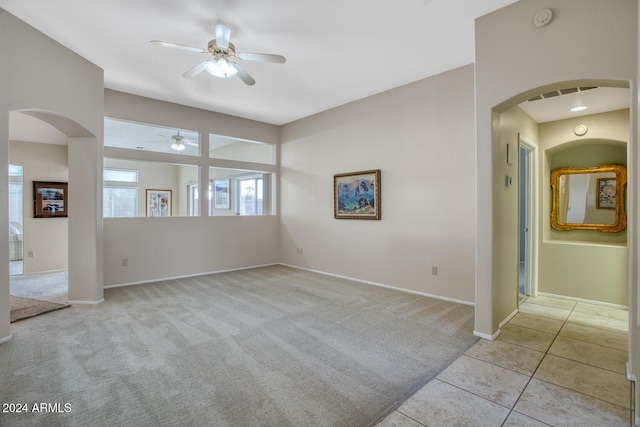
column 542, row 18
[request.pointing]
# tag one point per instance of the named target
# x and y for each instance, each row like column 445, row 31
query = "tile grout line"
column 411, row 418
column 546, row 352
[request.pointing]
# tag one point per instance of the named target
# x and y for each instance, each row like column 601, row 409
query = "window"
column 123, row 175
column 15, row 194
column 16, row 204
column 250, row 196
column 120, row 193
column 194, row 200
column 120, row 202
column 146, row 137
column 224, row 147
column 237, row 192
column 174, row 164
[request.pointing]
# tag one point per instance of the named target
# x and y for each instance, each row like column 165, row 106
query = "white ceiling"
column 337, row 52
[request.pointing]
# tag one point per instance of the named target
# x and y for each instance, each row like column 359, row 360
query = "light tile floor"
column 556, row 363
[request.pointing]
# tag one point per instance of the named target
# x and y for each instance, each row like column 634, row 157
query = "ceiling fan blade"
column 195, row 70
column 193, row 144
column 178, row 46
column 223, row 34
column 244, row 76
column 265, row 57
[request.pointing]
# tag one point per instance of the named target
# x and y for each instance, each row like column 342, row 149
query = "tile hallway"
column 556, row 363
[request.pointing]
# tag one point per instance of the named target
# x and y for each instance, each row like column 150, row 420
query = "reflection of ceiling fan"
column 178, row 142
column 223, row 55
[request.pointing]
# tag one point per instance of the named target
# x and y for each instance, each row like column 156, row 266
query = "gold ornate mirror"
column 589, row 198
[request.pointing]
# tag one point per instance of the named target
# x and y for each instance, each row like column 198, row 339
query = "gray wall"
column 159, row 248
column 515, row 60
column 598, row 261
column 421, row 137
column 71, row 99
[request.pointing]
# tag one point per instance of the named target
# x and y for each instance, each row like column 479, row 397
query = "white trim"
column 487, row 336
column 532, row 220
column 142, row 282
column 637, row 421
column 630, row 376
column 100, row 301
column 509, row 317
column 5, row 339
column 424, row 294
column 367, row 282
column 586, row 301
column 35, row 273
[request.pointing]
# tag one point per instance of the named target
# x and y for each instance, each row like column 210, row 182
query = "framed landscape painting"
column 49, row 199
column 356, row 195
column 158, row 202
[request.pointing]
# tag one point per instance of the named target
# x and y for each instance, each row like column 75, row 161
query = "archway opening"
column 82, row 161
column 38, row 244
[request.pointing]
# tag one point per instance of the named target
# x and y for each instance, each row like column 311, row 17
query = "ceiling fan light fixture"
column 221, row 68
column 178, row 145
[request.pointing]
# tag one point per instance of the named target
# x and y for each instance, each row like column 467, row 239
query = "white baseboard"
column 457, row 301
column 367, row 282
column 5, row 339
column 186, row 276
column 586, row 301
column 630, row 375
column 509, row 317
column 487, row 336
column 100, row 301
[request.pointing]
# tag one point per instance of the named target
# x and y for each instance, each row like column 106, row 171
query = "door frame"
column 531, row 216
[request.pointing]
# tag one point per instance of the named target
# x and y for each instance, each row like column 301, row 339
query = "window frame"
column 124, row 185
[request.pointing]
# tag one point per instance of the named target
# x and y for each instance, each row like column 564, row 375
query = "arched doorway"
column 84, row 248
column 38, row 244
column 504, row 240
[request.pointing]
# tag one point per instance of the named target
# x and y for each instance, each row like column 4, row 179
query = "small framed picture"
column 221, row 194
column 356, row 195
column 606, row 193
column 158, row 202
column 49, row 199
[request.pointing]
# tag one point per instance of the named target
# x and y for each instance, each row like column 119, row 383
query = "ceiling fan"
column 178, row 142
column 223, row 55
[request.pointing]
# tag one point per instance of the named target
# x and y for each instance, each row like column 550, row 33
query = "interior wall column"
column 85, row 221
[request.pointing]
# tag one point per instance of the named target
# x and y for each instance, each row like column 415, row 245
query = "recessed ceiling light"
column 578, row 108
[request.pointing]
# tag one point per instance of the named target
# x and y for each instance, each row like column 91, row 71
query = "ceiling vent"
column 561, row 92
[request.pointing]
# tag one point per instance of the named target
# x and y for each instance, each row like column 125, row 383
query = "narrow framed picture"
column 221, row 194
column 356, row 195
column 49, row 199
column 158, row 202
column 606, row 193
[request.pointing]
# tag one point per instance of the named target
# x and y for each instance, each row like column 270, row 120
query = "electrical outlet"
column 32, row 253
column 125, row 262
column 299, row 251
column 434, row 270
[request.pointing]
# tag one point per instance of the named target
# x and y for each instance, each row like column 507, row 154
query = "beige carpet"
column 270, row 346
column 24, row 308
